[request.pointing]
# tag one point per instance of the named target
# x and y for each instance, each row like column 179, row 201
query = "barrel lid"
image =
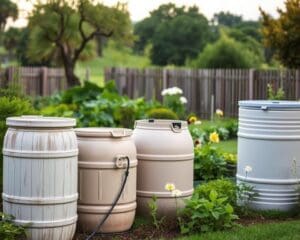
column 103, row 132
column 40, row 121
column 174, row 125
column 268, row 105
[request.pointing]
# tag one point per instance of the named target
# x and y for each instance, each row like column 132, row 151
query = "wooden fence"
column 34, row 81
column 206, row 89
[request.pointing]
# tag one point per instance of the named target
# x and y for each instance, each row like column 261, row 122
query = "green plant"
column 61, row 110
column 162, row 113
column 209, row 163
column 245, row 194
column 9, row 230
column 230, row 158
column 224, row 188
column 173, row 99
column 95, row 106
column 207, row 214
column 152, row 204
column 275, row 95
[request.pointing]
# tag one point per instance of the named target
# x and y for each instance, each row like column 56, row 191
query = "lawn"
column 113, row 56
column 229, row 146
column 289, row 230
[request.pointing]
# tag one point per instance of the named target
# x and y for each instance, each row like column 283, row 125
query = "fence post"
column 44, row 81
column 297, row 79
column 212, row 107
column 251, row 77
column 165, row 77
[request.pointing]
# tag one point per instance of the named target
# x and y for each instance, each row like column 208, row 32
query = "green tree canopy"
column 7, row 9
column 225, row 53
column 11, row 39
column 227, row 19
column 283, row 34
column 175, row 34
column 66, row 30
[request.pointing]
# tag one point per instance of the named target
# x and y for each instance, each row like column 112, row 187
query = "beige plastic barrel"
column 165, row 154
column 101, row 173
column 40, row 175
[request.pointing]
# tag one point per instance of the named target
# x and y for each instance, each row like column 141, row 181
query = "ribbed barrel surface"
column 40, row 176
column 269, row 153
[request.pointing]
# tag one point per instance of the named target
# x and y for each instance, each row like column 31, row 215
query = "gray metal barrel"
column 269, row 153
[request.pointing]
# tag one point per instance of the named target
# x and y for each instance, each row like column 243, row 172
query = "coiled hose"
column 100, row 224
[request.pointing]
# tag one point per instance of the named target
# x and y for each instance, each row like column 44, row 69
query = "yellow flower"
column 219, row 113
column 192, row 119
column 214, row 137
column 170, row 187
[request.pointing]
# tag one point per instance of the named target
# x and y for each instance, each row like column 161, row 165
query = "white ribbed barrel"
column 269, row 152
column 40, row 175
column 101, row 173
column 166, row 155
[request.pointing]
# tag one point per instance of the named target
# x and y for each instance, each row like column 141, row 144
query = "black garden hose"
column 114, row 203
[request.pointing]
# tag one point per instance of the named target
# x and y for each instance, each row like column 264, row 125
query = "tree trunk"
column 72, row 79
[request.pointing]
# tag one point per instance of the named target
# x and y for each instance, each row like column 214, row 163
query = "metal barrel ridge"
column 269, row 153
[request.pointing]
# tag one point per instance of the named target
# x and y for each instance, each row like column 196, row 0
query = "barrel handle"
column 117, row 133
column 176, row 127
column 121, row 161
column 264, row 108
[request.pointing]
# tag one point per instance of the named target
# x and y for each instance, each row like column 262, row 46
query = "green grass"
column 289, row 230
column 113, row 56
column 229, row 146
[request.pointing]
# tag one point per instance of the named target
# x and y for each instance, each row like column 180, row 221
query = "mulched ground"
column 168, row 230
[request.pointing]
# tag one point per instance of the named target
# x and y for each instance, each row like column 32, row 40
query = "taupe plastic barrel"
column 101, row 173
column 269, row 153
column 166, row 155
column 40, row 175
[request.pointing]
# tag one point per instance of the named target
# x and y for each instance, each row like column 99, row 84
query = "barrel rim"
column 270, row 104
column 160, row 123
column 105, row 132
column 40, row 121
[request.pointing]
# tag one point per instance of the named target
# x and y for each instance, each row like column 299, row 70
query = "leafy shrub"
column 8, row 230
column 98, row 106
column 224, row 188
column 209, row 163
column 226, row 129
column 275, row 95
column 206, row 214
column 226, row 53
column 173, row 99
column 162, row 113
column 230, row 158
column 61, row 110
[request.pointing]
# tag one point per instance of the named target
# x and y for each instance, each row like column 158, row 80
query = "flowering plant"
column 173, row 99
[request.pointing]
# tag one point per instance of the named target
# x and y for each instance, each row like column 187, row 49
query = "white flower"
column 171, row 91
column 198, row 122
column 164, row 92
column 183, row 100
column 176, row 193
column 170, row 187
column 248, row 169
column 219, row 112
